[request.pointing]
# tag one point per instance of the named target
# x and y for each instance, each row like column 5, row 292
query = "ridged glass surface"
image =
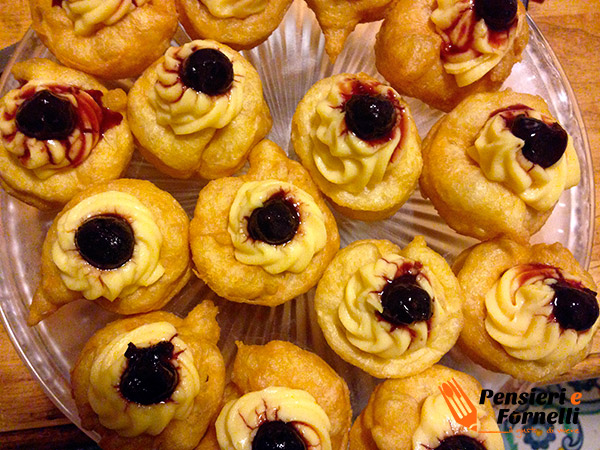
column 289, row 63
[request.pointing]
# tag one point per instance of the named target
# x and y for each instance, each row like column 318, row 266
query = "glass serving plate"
column 289, row 63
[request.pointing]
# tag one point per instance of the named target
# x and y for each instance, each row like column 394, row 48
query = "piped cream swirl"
column 90, row 15
column 341, row 157
column 361, row 305
column 46, row 157
column 131, row 419
column 143, row 269
column 498, row 153
column 240, row 9
column 185, row 110
column 519, row 315
column 293, row 256
column 240, row 419
column 473, row 50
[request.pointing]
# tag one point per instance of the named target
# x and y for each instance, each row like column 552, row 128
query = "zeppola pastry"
column 441, row 51
column 391, row 312
column 198, row 111
column 497, row 164
column 338, row 18
column 151, row 381
column 123, row 244
column 110, row 39
column 358, row 140
column 530, row 311
column 240, row 24
column 264, row 237
column 281, row 397
column 413, row 414
column 60, row 132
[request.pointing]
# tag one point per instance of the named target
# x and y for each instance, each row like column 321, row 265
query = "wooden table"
column 29, row 420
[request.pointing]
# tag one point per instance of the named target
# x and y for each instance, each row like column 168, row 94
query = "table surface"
column 28, row 419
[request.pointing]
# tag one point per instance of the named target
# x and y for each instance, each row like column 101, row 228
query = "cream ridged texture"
column 131, row 419
column 518, row 316
column 240, row 9
column 473, row 64
column 437, row 423
column 240, row 419
column 46, row 157
column 498, row 153
column 293, row 256
column 89, row 15
column 185, row 110
column 143, row 269
column 361, row 303
column 339, row 155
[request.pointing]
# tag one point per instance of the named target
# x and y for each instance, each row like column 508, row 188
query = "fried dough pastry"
column 198, row 111
column 264, row 237
column 530, row 311
column 358, row 140
column 281, row 395
column 111, row 39
column 390, row 312
column 441, row 51
column 412, row 414
column 240, row 24
column 152, row 380
column 60, row 132
column 497, row 165
column 338, row 18
column 123, row 244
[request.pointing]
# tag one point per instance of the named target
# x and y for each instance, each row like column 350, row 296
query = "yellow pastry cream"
column 116, row 363
column 46, row 157
column 500, row 155
column 307, row 238
column 241, row 419
column 90, row 15
column 361, row 312
column 470, row 48
column 522, row 315
column 185, row 110
column 240, row 9
column 340, row 156
column 437, row 423
column 141, row 269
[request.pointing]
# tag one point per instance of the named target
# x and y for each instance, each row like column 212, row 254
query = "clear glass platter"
column 289, row 63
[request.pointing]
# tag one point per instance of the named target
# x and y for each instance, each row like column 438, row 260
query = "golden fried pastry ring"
column 350, row 321
column 120, row 50
column 212, row 247
column 283, row 364
column 107, row 160
column 199, row 331
column 394, row 411
column 319, row 114
column 478, row 270
column 463, row 196
column 238, row 33
column 407, row 54
column 172, row 255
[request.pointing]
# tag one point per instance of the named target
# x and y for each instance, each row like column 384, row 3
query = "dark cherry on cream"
column 208, row 71
column 498, row 15
column 405, row 302
column 277, row 435
column 370, row 117
column 460, row 442
column 573, row 307
column 105, row 241
column 544, row 144
column 46, row 116
column 150, row 376
column 276, row 222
